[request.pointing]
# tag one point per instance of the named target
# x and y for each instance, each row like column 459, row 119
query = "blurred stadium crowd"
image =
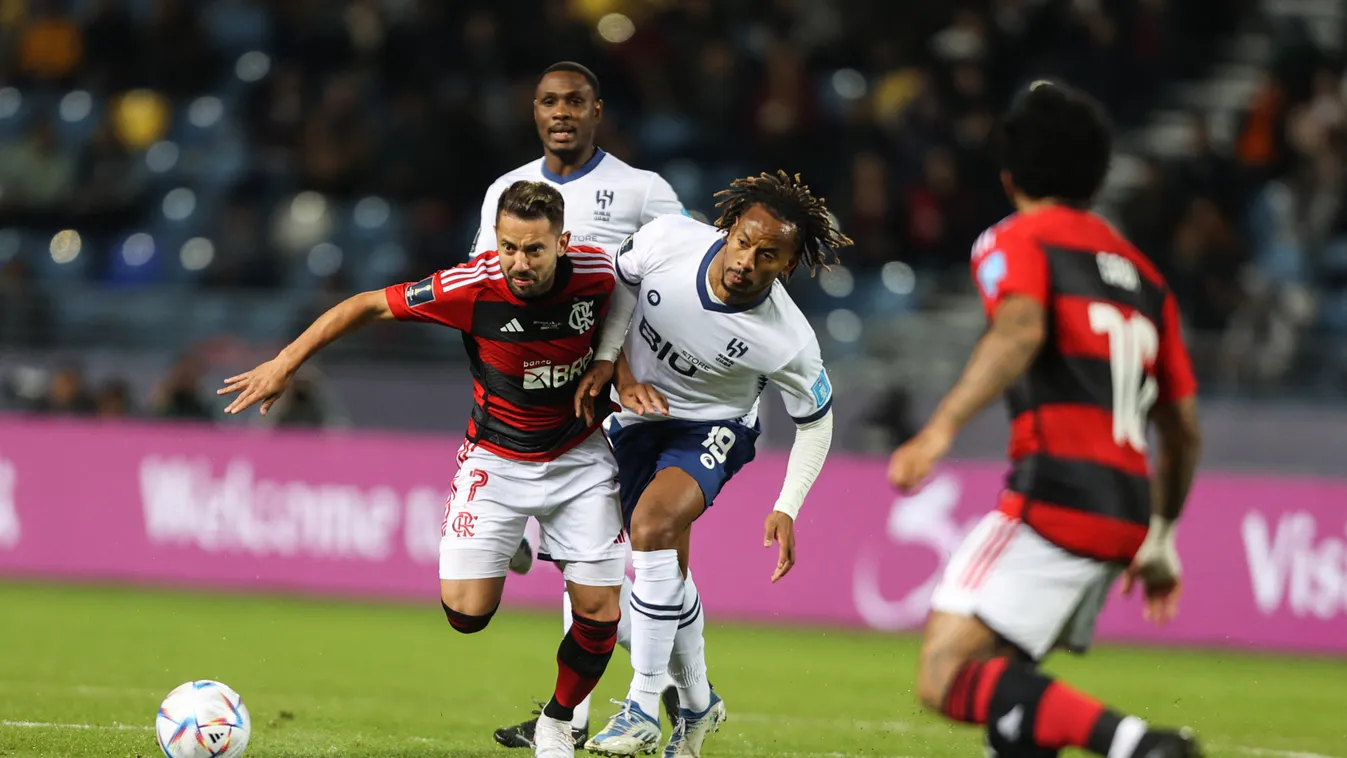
column 173, row 171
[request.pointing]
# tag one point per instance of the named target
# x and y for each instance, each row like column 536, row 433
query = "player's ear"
column 598, row 111
column 563, row 242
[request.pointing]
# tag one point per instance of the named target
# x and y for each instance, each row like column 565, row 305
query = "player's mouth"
column 522, row 282
column 563, row 134
column 735, row 279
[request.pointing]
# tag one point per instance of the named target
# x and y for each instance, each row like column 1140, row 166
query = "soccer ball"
column 203, row 719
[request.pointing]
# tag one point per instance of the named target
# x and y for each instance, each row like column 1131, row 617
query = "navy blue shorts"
column 709, row 451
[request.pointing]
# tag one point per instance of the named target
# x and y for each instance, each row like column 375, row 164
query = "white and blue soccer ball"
column 203, row 719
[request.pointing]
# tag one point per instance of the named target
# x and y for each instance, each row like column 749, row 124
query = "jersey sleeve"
column 637, row 252
column 1174, row 367
column 445, row 297
column 804, row 385
column 486, row 225
column 660, row 200
column 1005, row 264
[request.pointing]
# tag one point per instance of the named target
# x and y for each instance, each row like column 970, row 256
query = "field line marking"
column 50, row 725
column 1267, row 752
column 752, row 718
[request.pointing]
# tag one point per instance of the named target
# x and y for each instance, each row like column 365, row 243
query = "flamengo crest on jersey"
column 606, row 200
column 712, row 360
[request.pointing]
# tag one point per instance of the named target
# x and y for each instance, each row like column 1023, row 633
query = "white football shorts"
column 1029, row 591
column 574, row 498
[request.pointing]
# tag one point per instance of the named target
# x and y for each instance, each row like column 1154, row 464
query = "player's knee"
column 936, row 669
column 654, row 531
column 465, row 623
column 598, row 606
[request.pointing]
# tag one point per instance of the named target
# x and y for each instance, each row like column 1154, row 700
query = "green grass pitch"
column 82, row 671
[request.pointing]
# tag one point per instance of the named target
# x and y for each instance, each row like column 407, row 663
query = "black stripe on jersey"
column 531, row 442
column 491, row 320
column 1075, row 273
column 1055, row 379
column 1070, row 483
column 816, row 415
column 511, row 389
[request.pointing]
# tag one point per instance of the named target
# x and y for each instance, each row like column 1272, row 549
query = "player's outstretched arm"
column 1003, row 354
column 265, row 383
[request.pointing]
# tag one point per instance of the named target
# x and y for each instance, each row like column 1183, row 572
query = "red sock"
column 1066, row 717
column 1051, row 714
column 581, row 660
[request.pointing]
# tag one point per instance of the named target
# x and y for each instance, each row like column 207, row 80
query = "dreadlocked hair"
column 789, row 199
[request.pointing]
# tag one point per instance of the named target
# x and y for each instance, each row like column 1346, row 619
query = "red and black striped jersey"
column 525, row 355
column 1079, row 415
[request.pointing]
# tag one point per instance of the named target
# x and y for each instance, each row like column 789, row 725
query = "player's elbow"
column 372, row 305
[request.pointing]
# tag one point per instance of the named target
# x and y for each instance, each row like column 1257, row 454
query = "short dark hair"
column 1055, row 142
column 788, row 198
column 533, row 200
column 574, row 68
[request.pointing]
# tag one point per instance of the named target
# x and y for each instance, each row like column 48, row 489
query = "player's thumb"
column 1128, row 579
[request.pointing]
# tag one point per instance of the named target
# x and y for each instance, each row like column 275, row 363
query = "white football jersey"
column 712, row 360
column 606, row 200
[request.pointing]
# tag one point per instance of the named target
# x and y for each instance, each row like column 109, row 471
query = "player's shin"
column 581, row 660
column 656, row 608
column 1029, row 713
column 687, row 665
column 580, row 719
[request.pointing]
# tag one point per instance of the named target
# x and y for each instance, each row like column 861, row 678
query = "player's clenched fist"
column 912, row 462
column 263, row 384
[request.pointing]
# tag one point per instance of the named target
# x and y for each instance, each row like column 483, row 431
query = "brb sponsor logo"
column 1293, row 566
column 10, row 530
column 545, row 375
column 186, row 504
column 924, row 520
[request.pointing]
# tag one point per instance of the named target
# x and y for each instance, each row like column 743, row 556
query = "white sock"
column 624, row 628
column 687, row 665
column 1126, row 737
column 580, row 720
column 624, row 623
column 656, row 604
